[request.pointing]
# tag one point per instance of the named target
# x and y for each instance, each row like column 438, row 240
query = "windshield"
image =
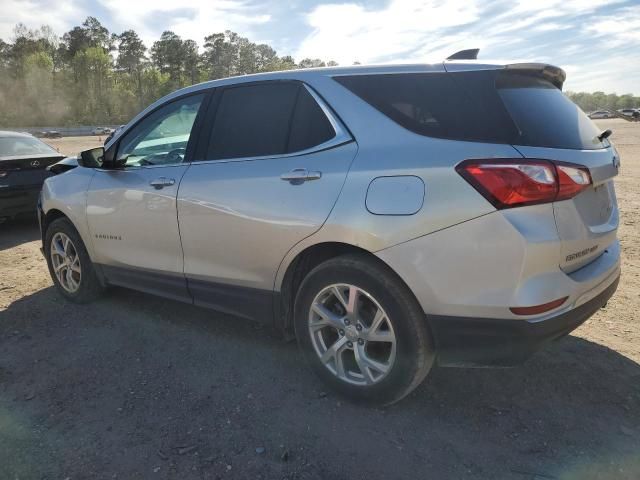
column 544, row 116
column 14, row 146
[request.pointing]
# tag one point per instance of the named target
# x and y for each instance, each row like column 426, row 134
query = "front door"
column 274, row 167
column 132, row 212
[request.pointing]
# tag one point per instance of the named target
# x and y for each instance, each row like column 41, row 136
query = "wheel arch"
column 301, row 264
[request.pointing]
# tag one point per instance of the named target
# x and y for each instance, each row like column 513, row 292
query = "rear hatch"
column 552, row 127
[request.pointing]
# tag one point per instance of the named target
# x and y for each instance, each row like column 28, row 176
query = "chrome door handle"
column 162, row 182
column 300, row 175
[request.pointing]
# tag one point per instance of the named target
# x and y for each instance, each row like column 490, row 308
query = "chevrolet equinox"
column 390, row 217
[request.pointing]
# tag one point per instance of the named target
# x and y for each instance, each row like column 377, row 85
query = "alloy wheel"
column 66, row 262
column 352, row 334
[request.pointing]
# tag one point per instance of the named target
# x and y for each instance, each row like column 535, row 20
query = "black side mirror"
column 93, row 158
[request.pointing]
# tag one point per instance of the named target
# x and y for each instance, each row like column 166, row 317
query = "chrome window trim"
column 341, row 137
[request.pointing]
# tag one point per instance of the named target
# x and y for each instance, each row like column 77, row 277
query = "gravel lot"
column 135, row 386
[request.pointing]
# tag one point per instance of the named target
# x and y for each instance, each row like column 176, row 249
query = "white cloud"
column 562, row 32
column 348, row 32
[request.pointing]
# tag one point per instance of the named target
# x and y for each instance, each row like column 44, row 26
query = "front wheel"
column 362, row 331
column 69, row 264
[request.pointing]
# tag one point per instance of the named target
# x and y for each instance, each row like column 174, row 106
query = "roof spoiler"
column 553, row 74
column 469, row 54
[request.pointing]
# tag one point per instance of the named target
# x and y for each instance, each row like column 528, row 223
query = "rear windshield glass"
column 13, row 146
column 545, row 117
column 480, row 106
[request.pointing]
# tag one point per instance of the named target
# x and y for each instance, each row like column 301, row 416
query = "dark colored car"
column 23, row 168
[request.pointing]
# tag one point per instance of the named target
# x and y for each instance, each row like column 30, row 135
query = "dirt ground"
column 135, row 386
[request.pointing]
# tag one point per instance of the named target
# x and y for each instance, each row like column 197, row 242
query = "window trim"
column 341, row 134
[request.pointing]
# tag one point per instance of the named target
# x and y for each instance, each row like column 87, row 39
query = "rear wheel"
column 362, row 331
column 69, row 264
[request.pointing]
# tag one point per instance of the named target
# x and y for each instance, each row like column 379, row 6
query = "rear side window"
column 545, row 117
column 437, row 105
column 491, row 106
column 267, row 119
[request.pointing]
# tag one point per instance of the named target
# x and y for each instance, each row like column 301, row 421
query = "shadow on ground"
column 18, row 231
column 137, row 387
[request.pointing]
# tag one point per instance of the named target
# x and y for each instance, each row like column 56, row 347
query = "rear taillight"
column 509, row 183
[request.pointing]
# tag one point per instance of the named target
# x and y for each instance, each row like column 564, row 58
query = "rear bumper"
column 18, row 200
column 462, row 341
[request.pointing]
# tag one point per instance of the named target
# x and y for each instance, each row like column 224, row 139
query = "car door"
column 131, row 211
column 274, row 163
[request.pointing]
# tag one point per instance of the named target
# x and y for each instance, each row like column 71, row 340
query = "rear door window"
column 267, row 119
column 253, row 120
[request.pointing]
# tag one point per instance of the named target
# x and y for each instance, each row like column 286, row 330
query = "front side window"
column 267, row 119
column 162, row 137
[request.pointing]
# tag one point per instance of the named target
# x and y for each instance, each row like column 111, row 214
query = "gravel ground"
column 135, row 386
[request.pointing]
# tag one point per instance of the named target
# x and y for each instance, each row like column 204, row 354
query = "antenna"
column 469, row 54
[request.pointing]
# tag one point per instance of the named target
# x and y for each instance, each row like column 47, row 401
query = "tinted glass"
column 544, row 116
column 162, row 137
column 253, row 120
column 14, row 146
column 461, row 106
column 309, row 126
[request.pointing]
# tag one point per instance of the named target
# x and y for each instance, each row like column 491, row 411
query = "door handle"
column 300, row 175
column 162, row 182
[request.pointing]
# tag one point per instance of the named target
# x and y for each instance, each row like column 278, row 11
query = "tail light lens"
column 508, row 183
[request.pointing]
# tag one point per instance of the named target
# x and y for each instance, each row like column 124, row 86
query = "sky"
column 596, row 42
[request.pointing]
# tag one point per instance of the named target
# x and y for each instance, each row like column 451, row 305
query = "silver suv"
column 392, row 218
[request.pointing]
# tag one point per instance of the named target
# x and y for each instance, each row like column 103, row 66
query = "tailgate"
column 587, row 223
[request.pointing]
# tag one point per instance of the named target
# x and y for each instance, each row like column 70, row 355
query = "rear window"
column 10, row 146
column 544, row 116
column 480, row 106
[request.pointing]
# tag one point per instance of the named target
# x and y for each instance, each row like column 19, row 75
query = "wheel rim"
column 352, row 334
column 66, row 262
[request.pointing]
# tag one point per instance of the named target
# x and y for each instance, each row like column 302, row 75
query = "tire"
column 382, row 295
column 87, row 284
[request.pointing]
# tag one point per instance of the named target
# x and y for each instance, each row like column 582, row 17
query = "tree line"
column 92, row 76
column 590, row 102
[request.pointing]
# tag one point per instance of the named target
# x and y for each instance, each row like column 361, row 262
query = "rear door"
column 268, row 175
column 552, row 127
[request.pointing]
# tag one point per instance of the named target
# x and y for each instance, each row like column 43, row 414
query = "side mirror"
column 91, row 158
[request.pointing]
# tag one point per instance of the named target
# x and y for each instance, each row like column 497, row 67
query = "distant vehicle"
column 601, row 114
column 23, row 168
column 630, row 112
column 50, row 134
column 101, row 131
column 390, row 217
column 113, row 132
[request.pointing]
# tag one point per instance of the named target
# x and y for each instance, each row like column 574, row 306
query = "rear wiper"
column 606, row 134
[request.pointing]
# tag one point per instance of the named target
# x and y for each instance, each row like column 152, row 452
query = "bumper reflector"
column 536, row 309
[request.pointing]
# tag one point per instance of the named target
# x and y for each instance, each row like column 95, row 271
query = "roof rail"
column 469, row 54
